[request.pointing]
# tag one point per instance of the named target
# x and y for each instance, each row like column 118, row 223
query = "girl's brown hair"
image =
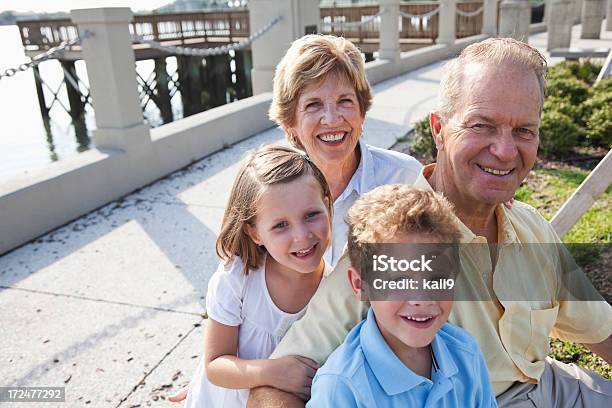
column 266, row 166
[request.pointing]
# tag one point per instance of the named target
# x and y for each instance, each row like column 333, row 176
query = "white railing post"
column 489, row 18
column 446, row 22
column 560, row 17
column 111, row 70
column 583, row 198
column 298, row 17
column 389, row 30
column 515, row 17
column 592, row 17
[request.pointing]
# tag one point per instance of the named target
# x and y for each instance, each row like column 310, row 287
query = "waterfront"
column 29, row 142
column 26, row 142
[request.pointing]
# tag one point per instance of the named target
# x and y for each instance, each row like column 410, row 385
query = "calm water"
column 26, row 141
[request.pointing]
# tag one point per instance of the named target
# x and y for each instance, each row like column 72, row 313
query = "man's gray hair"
column 493, row 52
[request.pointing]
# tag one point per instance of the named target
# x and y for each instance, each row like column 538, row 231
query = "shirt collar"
column 393, row 376
column 507, row 233
column 446, row 364
column 362, row 180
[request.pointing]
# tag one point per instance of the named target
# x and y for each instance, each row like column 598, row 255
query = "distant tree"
column 7, row 18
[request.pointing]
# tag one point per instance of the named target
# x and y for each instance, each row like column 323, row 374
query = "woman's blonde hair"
column 309, row 61
column 266, row 166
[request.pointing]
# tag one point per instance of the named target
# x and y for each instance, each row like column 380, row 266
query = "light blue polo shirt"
column 364, row 372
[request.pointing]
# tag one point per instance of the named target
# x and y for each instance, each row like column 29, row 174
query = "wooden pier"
column 212, row 28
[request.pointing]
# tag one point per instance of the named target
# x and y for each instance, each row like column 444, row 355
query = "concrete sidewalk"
column 110, row 306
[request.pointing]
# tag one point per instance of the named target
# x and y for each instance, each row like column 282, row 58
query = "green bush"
column 599, row 127
column 585, row 71
column 598, row 100
column 559, row 71
column 569, row 88
column 423, row 144
column 558, row 134
column 604, row 86
column 565, row 106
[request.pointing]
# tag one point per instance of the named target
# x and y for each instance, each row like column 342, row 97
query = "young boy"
column 404, row 353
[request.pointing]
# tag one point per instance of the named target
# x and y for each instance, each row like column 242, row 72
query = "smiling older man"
column 486, row 132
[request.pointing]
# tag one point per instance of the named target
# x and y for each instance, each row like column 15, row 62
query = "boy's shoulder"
column 348, row 359
column 458, row 340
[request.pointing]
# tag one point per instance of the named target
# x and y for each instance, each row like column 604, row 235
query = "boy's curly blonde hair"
column 381, row 214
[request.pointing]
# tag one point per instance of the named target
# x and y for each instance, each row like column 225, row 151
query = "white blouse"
column 234, row 299
column 376, row 168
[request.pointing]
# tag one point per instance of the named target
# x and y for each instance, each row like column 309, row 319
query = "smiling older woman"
column 321, row 96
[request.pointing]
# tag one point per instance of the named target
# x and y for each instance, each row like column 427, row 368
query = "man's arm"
column 269, row 397
column 602, row 349
column 331, row 314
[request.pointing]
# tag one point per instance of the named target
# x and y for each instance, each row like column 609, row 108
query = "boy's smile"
column 408, row 325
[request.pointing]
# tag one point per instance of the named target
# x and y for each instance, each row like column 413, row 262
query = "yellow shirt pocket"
column 542, row 322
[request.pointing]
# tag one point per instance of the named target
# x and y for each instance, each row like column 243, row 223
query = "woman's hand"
column 292, row 374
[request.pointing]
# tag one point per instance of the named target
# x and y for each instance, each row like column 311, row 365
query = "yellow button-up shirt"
column 512, row 328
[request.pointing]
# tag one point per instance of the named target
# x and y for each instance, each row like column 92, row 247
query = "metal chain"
column 206, row 52
column 50, row 53
column 369, row 19
column 424, row 15
column 469, row 13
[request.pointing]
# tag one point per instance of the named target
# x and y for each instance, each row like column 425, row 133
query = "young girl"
column 275, row 230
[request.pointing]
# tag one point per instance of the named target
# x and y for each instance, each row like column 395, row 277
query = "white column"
column 297, row 18
column 111, row 70
column 389, row 30
column 609, row 16
column 515, row 18
column 592, row 16
column 577, row 11
column 489, row 18
column 446, row 22
column 560, row 24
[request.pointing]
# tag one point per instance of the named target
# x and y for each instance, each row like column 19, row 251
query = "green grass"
column 547, row 189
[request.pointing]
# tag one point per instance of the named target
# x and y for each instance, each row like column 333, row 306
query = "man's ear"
column 251, row 231
column 435, row 123
column 355, row 281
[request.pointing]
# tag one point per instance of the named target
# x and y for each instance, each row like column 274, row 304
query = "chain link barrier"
column 369, row 19
column 206, row 52
column 424, row 15
column 44, row 56
column 470, row 13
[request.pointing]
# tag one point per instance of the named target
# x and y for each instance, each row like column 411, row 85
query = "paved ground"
column 110, row 306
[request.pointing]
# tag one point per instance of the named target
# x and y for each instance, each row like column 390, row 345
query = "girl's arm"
column 225, row 369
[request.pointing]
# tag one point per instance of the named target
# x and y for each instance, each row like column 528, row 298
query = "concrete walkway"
column 110, row 306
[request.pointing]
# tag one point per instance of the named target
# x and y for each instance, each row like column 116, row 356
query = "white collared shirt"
column 376, row 168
